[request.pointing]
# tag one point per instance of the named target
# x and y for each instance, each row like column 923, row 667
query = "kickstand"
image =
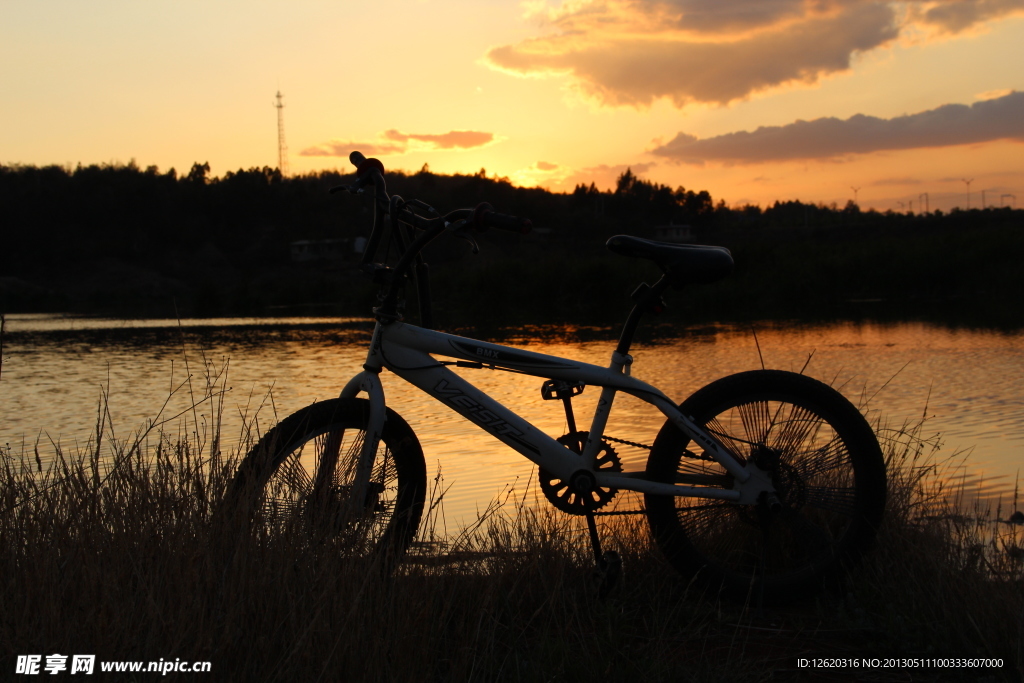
column 609, row 564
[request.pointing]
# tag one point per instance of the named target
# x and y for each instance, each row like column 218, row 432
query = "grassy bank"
column 111, row 551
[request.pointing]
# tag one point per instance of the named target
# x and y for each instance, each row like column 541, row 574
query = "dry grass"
column 111, row 551
column 947, row 577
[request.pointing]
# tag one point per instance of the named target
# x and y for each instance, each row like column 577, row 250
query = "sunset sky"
column 753, row 100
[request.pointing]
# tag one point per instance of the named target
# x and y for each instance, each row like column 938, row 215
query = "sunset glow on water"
column 56, row 370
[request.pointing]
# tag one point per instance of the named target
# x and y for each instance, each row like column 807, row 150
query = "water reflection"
column 55, row 372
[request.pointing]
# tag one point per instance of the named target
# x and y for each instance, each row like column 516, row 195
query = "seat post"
column 646, row 298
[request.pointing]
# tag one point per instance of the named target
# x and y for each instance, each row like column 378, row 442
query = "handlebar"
column 484, row 217
column 370, row 171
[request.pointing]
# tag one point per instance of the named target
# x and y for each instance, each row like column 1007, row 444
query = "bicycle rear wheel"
column 825, row 464
column 300, row 478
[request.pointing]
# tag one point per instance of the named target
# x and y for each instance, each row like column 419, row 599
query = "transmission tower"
column 282, row 147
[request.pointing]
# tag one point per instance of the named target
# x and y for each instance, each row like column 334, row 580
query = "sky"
column 896, row 104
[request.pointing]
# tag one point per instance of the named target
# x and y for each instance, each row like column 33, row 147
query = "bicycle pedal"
column 609, row 573
column 557, row 389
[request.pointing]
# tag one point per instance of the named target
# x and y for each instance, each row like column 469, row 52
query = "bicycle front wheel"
column 827, row 469
column 301, row 478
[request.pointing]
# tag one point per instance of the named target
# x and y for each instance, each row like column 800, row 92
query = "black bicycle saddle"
column 685, row 264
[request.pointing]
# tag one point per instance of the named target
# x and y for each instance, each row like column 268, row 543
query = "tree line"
column 201, row 239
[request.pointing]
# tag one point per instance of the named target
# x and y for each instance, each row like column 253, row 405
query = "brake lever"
column 472, row 242
column 354, row 188
column 460, row 229
column 423, row 205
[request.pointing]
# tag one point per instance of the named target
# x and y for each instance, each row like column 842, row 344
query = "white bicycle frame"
column 406, row 350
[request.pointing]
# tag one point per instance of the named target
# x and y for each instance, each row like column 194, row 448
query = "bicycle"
column 764, row 481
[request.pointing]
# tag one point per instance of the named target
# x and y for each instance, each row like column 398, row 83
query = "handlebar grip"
column 484, row 216
column 367, row 170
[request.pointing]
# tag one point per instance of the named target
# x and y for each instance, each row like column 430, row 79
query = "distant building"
column 673, row 233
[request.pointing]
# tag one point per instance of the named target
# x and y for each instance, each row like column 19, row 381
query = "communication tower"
column 282, row 147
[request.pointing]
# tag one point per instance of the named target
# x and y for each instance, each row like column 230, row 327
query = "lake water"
column 57, row 369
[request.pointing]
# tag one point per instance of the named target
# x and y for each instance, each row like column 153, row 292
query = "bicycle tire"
column 298, row 478
column 829, row 475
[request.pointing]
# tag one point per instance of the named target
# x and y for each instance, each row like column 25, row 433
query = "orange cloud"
column 395, row 142
column 951, row 124
column 343, row 149
column 631, row 64
column 633, row 52
column 737, row 15
column 951, row 16
column 460, row 139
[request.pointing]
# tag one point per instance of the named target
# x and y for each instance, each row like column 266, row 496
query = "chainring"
column 563, row 497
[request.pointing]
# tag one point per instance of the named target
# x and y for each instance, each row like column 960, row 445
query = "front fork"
column 367, row 381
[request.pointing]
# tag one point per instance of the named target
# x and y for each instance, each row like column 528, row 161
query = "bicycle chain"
column 629, row 443
column 687, row 453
